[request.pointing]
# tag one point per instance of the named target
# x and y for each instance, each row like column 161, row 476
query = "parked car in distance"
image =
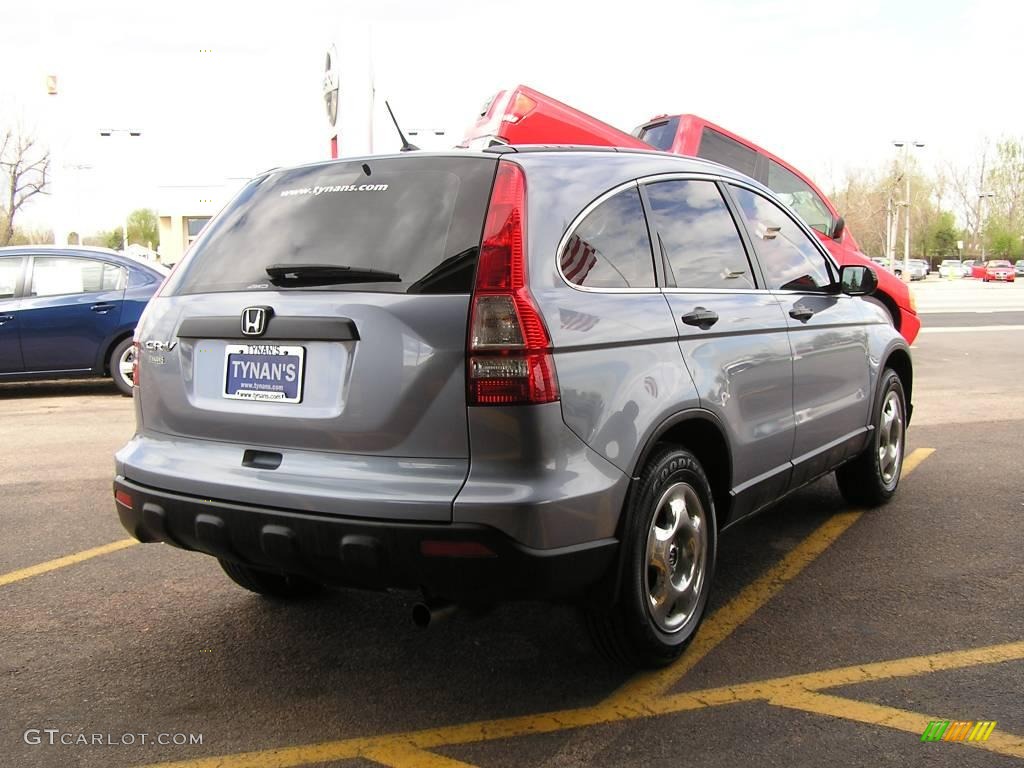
column 951, row 268
column 523, row 115
column 978, row 269
column 487, row 385
column 918, row 269
column 1018, row 268
column 968, row 267
column 70, row 312
column 1000, row 270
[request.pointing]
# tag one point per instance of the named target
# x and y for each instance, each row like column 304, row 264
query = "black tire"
column 121, row 349
column 864, row 481
column 626, row 631
column 279, row 585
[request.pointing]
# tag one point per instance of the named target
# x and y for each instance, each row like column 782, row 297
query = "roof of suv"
column 684, row 163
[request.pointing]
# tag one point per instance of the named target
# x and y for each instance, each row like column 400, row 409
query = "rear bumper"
column 363, row 553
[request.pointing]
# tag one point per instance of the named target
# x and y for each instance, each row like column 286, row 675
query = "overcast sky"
column 826, row 85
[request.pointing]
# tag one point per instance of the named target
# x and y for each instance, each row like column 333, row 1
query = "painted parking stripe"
column 635, row 700
column 63, row 562
column 784, row 689
column 889, row 717
column 405, row 755
column 972, row 329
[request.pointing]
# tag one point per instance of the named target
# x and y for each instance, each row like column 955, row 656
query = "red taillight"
column 510, row 359
column 136, row 350
column 123, row 498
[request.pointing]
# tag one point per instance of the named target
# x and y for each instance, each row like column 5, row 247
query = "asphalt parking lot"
column 834, row 635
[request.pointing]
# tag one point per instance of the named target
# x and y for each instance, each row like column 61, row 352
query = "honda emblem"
column 254, row 320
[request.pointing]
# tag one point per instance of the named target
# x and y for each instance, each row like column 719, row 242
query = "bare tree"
column 966, row 185
column 24, row 169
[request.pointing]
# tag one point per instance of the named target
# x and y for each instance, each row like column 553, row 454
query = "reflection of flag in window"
column 571, row 320
column 578, row 258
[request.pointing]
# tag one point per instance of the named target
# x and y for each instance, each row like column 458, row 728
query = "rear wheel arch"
column 702, row 433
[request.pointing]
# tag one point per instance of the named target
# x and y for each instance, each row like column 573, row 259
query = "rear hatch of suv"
column 310, row 352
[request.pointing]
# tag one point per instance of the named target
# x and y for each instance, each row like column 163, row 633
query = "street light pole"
column 981, row 220
column 906, row 145
column 132, row 132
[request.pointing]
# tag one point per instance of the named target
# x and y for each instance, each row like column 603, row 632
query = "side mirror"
column 855, row 280
column 838, row 227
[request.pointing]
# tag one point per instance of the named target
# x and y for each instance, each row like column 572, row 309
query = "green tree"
column 941, row 236
column 114, row 239
column 144, row 228
column 1004, row 242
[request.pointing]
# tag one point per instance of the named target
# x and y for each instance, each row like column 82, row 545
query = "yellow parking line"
column 729, row 617
column 62, row 562
column 889, row 717
column 912, row 666
column 783, row 689
column 914, row 460
column 405, row 755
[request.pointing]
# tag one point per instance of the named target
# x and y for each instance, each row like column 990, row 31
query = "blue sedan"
column 71, row 312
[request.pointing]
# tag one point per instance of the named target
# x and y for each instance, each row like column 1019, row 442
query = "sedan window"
column 56, row 276
column 10, row 270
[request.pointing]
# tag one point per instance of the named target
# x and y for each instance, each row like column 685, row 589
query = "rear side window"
column 698, row 235
column 660, row 135
column 10, row 271
column 419, row 217
column 789, row 258
column 611, row 247
column 797, row 194
column 719, row 148
column 56, row 276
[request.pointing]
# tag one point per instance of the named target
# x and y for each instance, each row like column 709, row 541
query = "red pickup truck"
column 522, row 115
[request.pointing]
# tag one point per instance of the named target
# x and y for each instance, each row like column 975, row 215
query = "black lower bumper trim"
column 371, row 554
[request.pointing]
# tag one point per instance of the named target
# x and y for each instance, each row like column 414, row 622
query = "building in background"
column 183, row 211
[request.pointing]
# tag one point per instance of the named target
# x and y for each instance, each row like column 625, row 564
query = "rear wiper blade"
column 327, row 274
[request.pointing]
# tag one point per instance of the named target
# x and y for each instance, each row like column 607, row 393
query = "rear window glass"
column 660, row 135
column 419, row 217
column 611, row 247
column 721, row 149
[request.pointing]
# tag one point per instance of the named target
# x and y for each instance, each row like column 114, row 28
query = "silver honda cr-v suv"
column 522, row 373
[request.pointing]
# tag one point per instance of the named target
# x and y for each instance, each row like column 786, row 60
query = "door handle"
column 101, row 308
column 803, row 314
column 701, row 317
column 6, row 319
